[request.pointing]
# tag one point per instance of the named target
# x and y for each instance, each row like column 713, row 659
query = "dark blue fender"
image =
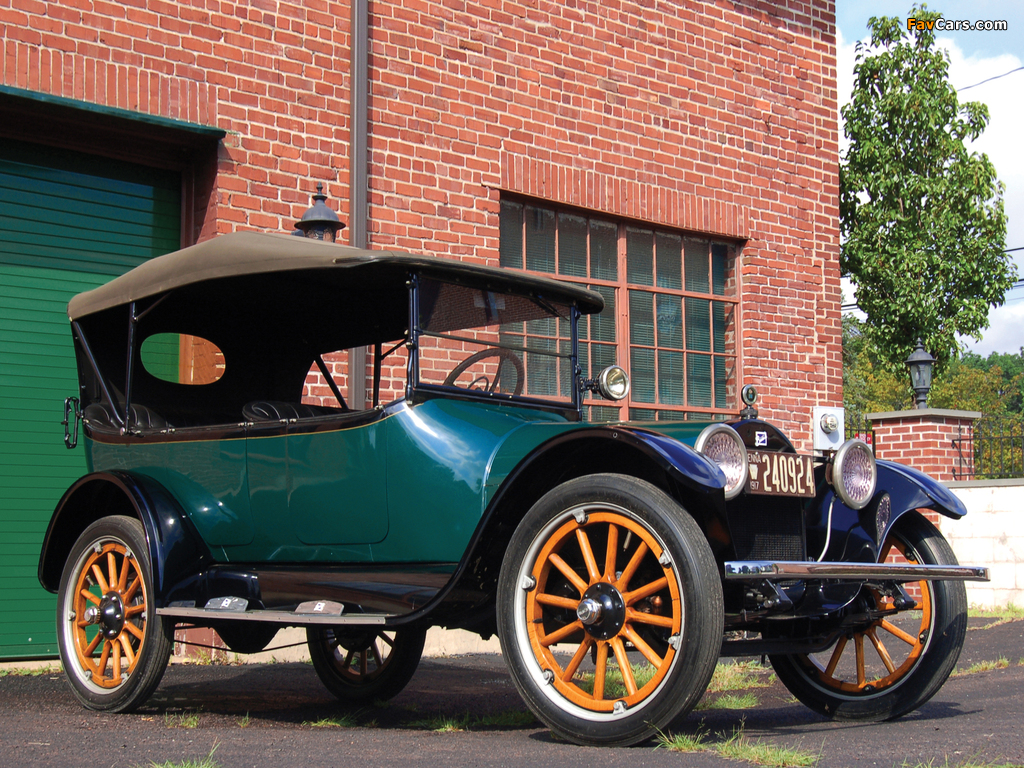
column 857, row 536
column 175, row 548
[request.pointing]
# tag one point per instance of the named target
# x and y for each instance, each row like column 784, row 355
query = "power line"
column 989, row 80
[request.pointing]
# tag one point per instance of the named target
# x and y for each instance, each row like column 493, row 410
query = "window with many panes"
column 669, row 316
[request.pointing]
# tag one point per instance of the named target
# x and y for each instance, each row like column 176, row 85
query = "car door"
column 317, row 483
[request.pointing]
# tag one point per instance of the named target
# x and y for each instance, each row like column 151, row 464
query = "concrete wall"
column 992, row 534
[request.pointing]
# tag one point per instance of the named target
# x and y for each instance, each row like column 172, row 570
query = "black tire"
column 899, row 678
column 246, row 636
column 364, row 663
column 117, row 624
column 664, row 612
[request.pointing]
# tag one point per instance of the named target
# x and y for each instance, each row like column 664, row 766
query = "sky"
column 974, row 56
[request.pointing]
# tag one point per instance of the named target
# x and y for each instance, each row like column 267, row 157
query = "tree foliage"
column 922, row 217
column 993, row 385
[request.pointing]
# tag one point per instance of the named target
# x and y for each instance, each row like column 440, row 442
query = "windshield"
column 500, row 343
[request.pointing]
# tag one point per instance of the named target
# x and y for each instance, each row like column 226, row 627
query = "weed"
column 444, row 723
column 244, row 721
column 740, row 747
column 49, row 669
column 683, row 742
column 739, row 676
column 969, row 762
column 184, row 719
column 339, row 721
column 737, row 747
column 729, row 701
column 982, row 666
column 202, row 762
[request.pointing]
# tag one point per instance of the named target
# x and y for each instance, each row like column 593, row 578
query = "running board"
column 757, row 570
column 236, row 609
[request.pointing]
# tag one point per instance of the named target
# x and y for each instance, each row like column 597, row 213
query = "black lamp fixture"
column 319, row 222
column 920, row 363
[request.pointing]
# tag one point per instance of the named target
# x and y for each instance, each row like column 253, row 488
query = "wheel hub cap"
column 111, row 615
column 602, row 611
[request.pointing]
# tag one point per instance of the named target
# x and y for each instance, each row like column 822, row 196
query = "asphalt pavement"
column 280, row 715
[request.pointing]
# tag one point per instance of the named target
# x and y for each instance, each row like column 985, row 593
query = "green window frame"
column 671, row 306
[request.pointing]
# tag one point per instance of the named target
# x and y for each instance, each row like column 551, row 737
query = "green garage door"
column 68, row 222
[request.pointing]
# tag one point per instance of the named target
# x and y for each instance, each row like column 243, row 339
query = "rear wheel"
column 609, row 610
column 365, row 663
column 889, row 665
column 112, row 644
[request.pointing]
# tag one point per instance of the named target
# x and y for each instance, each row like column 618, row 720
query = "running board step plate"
column 236, row 609
column 756, row 570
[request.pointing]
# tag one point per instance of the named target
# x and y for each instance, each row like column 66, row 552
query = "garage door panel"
column 70, row 223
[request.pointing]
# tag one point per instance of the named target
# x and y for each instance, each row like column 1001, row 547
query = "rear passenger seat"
column 275, row 410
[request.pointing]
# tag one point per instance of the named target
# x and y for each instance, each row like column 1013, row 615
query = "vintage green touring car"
column 236, row 482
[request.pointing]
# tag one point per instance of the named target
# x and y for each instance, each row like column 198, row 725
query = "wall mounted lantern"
column 319, row 222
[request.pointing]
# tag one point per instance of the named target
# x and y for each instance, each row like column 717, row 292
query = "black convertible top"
column 249, row 255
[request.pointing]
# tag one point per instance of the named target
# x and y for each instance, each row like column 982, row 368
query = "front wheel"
column 364, row 663
column 888, row 665
column 609, row 610
column 112, row 644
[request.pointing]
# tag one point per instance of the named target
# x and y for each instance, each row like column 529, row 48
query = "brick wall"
column 719, row 118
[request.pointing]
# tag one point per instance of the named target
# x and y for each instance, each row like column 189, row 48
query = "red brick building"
column 680, row 157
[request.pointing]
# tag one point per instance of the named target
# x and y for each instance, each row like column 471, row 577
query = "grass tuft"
column 202, row 762
column 738, row 747
column 338, row 721
column 729, row 701
column 982, row 666
column 444, row 723
column 49, row 669
column 244, row 722
column 187, row 719
column 740, row 676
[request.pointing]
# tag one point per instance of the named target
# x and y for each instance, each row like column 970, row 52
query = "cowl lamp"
column 920, row 364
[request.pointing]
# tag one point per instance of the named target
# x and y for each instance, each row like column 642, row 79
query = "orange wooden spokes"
column 871, row 670
column 109, row 572
column 566, row 567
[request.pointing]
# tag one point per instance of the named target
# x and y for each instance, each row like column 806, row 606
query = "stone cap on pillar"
column 924, row 413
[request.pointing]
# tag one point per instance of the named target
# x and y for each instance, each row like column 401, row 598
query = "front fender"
column 912, row 489
column 175, row 548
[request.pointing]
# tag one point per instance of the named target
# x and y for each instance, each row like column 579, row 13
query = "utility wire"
column 989, row 80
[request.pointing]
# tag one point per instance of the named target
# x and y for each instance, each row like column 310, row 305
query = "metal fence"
column 992, row 450
column 998, row 448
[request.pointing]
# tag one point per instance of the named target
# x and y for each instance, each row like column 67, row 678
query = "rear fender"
column 175, row 548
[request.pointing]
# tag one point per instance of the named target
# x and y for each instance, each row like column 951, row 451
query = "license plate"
column 781, row 474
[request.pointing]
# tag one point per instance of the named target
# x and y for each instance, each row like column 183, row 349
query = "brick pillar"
column 937, row 442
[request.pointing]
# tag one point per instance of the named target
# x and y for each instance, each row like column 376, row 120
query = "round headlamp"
column 724, row 446
column 854, row 473
column 613, row 383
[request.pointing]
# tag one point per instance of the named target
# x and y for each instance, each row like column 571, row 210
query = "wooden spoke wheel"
column 360, row 663
column 112, row 644
column 892, row 663
column 609, row 610
column 488, row 379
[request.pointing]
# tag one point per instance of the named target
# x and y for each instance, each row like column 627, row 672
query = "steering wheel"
column 482, row 382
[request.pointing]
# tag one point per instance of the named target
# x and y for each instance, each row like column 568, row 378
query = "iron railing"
column 998, row 448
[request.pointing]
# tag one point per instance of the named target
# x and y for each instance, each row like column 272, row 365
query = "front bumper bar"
column 760, row 570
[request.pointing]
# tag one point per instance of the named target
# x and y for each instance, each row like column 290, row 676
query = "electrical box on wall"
column 829, row 428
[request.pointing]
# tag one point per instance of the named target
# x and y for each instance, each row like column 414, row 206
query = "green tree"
column 922, row 218
column 868, row 386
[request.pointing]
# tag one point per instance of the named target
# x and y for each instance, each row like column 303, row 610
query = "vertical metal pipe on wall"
column 359, row 211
